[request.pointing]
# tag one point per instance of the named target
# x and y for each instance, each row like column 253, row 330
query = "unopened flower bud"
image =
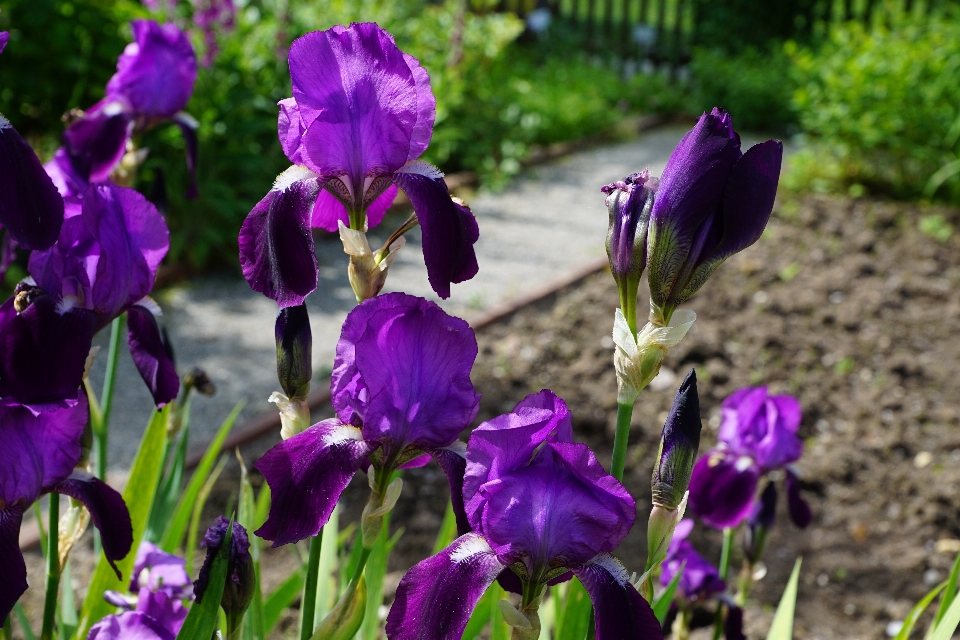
column 663, row 522
column 525, row 622
column 629, row 203
column 344, row 620
column 679, row 444
column 368, row 270
column 294, row 345
column 241, row 580
column 637, row 358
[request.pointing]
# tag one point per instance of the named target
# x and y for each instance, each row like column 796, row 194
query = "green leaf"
column 661, row 605
column 280, row 599
column 177, row 529
column 194, row 531
column 326, row 581
column 499, row 629
column 138, row 495
column 24, row 622
column 201, row 622
column 782, row 626
column 573, row 623
column 67, row 611
column 950, row 590
column 263, row 506
column 374, row 572
column 344, row 620
column 911, row 620
column 948, row 624
column 448, row 531
column 481, row 615
column 252, row 628
column 169, row 492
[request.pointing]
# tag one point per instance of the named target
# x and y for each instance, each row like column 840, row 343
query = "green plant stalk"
column 53, row 569
column 724, row 572
column 7, row 629
column 624, row 415
column 309, row 601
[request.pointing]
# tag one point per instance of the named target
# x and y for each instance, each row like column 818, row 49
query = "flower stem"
column 724, row 572
column 624, row 415
column 7, row 629
column 308, row 604
column 53, row 569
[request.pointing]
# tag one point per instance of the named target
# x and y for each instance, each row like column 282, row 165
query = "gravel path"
column 548, row 223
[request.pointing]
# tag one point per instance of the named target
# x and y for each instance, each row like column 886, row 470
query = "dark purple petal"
column 722, row 488
column 107, row 509
column 799, row 509
column 329, row 211
column 358, row 102
column 629, row 203
column 166, row 610
column 413, row 363
column 507, row 442
column 733, row 624
column 561, row 510
column 155, row 74
column 38, row 449
column 306, row 474
column 4, row 38
column 765, row 509
column 158, row 570
column 679, row 444
column 294, row 350
column 8, row 252
column 150, row 355
column 619, row 609
column 700, row 579
column 188, row 127
column 133, row 239
column 453, row 463
column 290, row 130
column 31, row 208
column 436, row 597
column 276, row 245
column 13, row 571
column 95, row 143
column 449, row 231
column 42, row 353
column 66, row 178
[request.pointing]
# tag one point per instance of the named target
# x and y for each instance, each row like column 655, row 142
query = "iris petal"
column 722, row 489
column 13, row 570
column 619, row 609
column 150, row 356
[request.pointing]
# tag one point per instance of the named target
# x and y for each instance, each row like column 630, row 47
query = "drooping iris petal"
column 66, row 178
column 619, row 609
column 107, row 509
column 42, row 353
column 31, row 208
column 188, row 127
column 133, row 239
column 562, row 509
column 150, row 356
column 13, row 570
column 453, row 463
column 436, row 597
column 413, row 363
column 158, row 570
column 276, row 244
column 329, row 211
column 156, row 72
column 96, row 142
column 358, row 102
column 800, row 512
column 509, row 441
column 700, row 579
column 38, row 450
column 449, row 231
column 722, row 489
column 4, row 38
column 158, row 616
column 307, row 473
column 733, row 624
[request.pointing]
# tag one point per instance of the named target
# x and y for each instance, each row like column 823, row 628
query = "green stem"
column 53, row 569
column 745, row 582
column 364, row 556
column 7, row 629
column 309, row 602
column 724, row 572
column 624, row 415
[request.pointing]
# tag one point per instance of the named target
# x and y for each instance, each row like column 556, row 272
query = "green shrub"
column 880, row 103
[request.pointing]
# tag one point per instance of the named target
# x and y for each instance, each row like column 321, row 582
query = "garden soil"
column 845, row 304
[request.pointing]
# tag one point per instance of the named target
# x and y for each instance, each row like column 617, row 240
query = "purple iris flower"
column 157, row 616
column 103, row 264
column 401, row 388
column 758, row 434
column 38, row 456
column 154, row 81
column 4, row 38
column 712, row 202
column 361, row 114
column 158, row 571
column 541, row 505
column 700, row 579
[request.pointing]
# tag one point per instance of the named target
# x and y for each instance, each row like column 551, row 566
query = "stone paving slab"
column 550, row 222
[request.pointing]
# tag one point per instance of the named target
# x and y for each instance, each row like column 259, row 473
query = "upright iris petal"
column 712, row 202
column 401, row 388
column 361, row 114
column 544, row 507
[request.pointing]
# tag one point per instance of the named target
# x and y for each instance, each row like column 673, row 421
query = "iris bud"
column 294, row 370
column 344, row 620
column 367, row 271
column 241, row 579
column 679, row 444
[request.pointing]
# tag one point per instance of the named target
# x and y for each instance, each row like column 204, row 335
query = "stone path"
column 548, row 223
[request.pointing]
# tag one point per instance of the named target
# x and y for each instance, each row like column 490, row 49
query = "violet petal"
column 329, row 211
column 150, row 356
column 276, row 245
column 799, row 510
column 188, row 127
column 306, row 474
column 290, row 129
column 31, row 208
column 453, row 464
column 449, row 231
column 619, row 609
column 436, row 597
column 96, row 142
column 107, row 509
column 722, row 489
column 13, row 570
column 4, row 39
